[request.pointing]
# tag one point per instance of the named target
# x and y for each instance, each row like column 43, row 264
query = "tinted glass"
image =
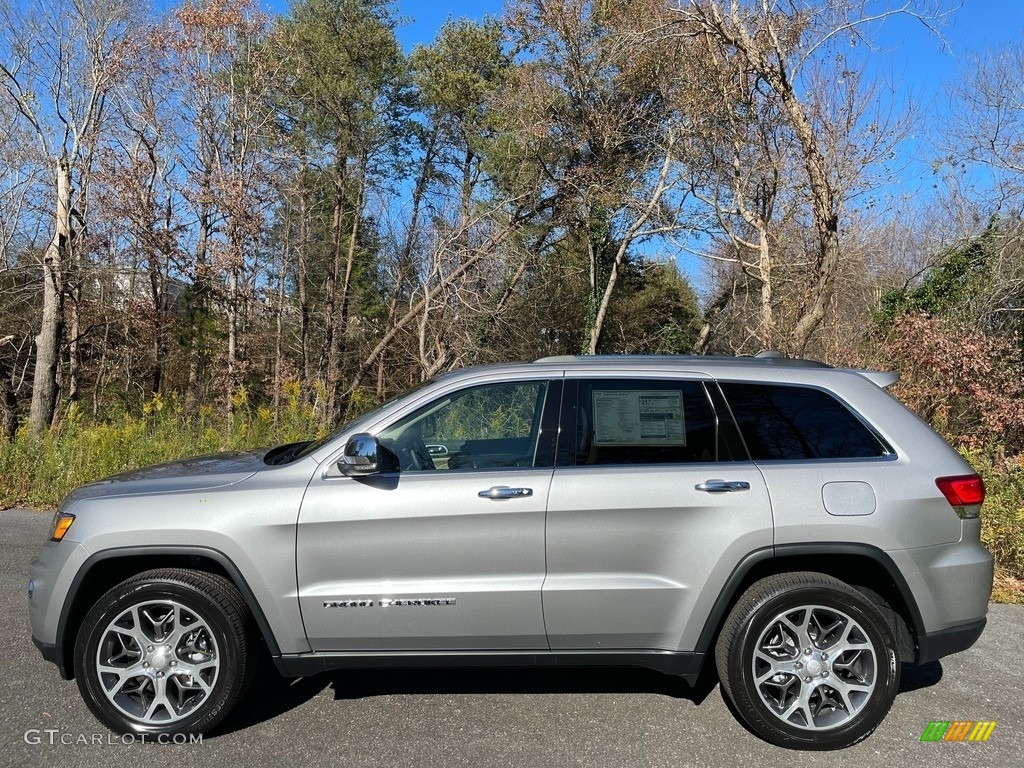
column 641, row 422
column 495, row 425
column 785, row 422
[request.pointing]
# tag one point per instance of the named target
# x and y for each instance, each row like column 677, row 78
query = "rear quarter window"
column 780, row 422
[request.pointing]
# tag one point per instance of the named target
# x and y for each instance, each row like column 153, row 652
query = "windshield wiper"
column 285, row 453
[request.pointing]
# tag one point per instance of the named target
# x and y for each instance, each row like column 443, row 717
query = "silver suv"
column 790, row 521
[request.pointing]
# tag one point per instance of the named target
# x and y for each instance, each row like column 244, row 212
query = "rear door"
column 652, row 503
column 831, row 475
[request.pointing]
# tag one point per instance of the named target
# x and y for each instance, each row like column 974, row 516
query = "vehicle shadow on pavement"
column 269, row 696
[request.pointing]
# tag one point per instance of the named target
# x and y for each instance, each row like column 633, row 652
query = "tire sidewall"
column 116, row 602
column 766, row 723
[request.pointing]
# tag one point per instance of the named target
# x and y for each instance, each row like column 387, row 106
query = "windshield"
column 307, row 449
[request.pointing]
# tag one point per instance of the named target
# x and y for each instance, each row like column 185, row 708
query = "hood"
column 193, row 474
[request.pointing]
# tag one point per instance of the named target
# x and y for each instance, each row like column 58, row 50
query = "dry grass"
column 1008, row 589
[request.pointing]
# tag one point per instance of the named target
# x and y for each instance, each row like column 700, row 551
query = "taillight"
column 963, row 491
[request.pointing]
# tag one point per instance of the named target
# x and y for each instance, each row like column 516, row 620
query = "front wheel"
column 808, row 662
column 165, row 652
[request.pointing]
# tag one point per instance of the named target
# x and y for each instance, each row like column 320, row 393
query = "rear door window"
column 652, row 421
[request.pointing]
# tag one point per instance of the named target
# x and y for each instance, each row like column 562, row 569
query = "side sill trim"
column 684, row 664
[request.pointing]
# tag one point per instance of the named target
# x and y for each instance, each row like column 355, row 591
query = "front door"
column 448, row 552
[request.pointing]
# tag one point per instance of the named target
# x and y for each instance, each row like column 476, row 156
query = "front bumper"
column 53, row 655
column 52, row 572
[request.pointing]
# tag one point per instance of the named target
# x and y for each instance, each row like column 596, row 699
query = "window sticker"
column 646, row 417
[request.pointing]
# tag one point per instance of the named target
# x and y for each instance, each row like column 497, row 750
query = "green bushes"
column 1002, row 518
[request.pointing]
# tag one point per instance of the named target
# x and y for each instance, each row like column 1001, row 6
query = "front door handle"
column 499, row 492
column 723, row 486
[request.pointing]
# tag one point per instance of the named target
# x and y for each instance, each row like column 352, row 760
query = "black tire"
column 209, row 629
column 837, row 721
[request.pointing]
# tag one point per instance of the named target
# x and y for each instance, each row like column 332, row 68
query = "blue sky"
column 923, row 64
column 427, row 17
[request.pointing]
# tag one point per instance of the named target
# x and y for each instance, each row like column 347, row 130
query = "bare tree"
column 19, row 175
column 216, row 51
column 809, row 128
column 986, row 122
column 58, row 66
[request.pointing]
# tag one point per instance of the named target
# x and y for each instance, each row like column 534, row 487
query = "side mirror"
column 361, row 456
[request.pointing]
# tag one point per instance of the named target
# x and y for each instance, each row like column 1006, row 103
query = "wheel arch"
column 866, row 568
column 105, row 569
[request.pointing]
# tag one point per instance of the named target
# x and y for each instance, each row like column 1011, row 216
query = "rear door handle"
column 722, row 486
column 499, row 492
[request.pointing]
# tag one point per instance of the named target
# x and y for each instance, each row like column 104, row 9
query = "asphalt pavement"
column 481, row 718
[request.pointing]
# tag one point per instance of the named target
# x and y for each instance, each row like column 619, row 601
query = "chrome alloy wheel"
column 157, row 661
column 814, row 667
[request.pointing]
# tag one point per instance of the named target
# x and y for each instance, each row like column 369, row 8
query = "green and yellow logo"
column 958, row 730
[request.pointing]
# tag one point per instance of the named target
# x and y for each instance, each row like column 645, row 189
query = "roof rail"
column 558, row 359
column 771, row 358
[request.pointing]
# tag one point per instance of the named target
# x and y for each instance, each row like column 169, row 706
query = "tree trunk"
column 8, row 403
column 51, row 327
column 232, row 337
column 282, row 273
column 329, row 366
column 719, row 305
column 301, row 256
column 74, row 333
column 627, row 240
column 765, row 274
column 198, row 309
column 159, row 268
column 338, row 398
column 606, row 299
column 101, row 371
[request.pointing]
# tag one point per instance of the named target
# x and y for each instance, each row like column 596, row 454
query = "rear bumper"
column 944, row 642
column 950, row 585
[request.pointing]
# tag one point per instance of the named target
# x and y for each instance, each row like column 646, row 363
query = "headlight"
column 61, row 523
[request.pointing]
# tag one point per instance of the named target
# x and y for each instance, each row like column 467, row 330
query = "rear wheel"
column 165, row 652
column 808, row 662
